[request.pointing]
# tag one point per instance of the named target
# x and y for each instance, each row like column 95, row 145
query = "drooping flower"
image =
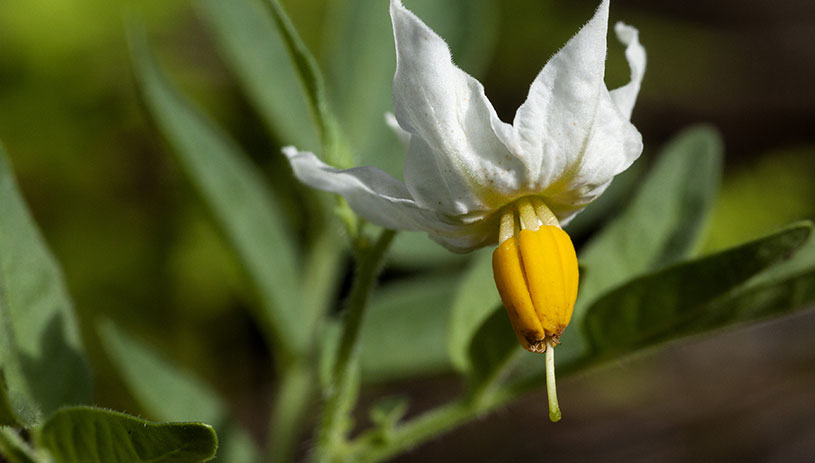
column 471, row 179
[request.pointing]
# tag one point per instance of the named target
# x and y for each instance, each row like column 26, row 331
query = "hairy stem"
column 370, row 447
column 289, row 414
column 15, row 449
column 338, row 399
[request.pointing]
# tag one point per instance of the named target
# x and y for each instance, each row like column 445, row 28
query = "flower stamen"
column 535, row 269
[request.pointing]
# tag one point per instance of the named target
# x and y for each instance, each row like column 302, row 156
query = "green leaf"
column 406, row 316
column 170, row 394
column 763, row 194
column 40, row 349
column 254, row 48
column 608, row 204
column 475, row 301
column 492, row 349
column 415, row 250
column 312, row 79
column 803, row 262
column 664, row 221
column 240, row 201
column 7, row 415
column 693, row 297
column 95, row 435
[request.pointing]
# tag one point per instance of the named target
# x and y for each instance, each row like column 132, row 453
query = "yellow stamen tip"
column 536, row 275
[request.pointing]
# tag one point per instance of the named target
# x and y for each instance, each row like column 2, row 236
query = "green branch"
column 340, row 398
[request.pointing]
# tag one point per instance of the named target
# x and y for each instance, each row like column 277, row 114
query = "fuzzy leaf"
column 7, row 415
column 408, row 316
column 665, row 219
column 240, row 201
column 40, row 350
column 475, row 301
column 170, row 394
column 694, row 297
column 312, row 79
column 663, row 223
column 251, row 42
column 95, row 435
column 492, row 348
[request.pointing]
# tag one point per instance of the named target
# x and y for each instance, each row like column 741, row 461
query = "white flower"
column 568, row 139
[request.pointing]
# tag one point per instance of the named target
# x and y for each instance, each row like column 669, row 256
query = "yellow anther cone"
column 536, row 275
column 550, row 265
column 508, row 270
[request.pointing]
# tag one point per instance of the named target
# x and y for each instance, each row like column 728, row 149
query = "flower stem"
column 13, row 447
column 371, row 448
column 292, row 402
column 551, row 388
column 338, row 398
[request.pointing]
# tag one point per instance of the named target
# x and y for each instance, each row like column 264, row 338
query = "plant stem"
column 371, row 448
column 338, row 399
column 288, row 417
column 13, row 447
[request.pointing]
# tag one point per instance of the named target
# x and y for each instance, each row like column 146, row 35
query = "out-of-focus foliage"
column 407, row 316
column 95, row 435
column 41, row 356
column 242, row 206
column 140, row 248
column 691, row 298
column 168, row 393
column 45, row 375
column 762, row 194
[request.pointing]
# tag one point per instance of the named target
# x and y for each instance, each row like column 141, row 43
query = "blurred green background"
column 137, row 246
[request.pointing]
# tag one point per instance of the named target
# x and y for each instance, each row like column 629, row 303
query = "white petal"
column 379, row 198
column 625, row 96
column 613, row 144
column 553, row 124
column 402, row 134
column 455, row 163
column 371, row 193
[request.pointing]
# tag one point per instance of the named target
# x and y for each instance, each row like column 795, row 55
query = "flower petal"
column 625, row 96
column 379, row 198
column 553, row 124
column 613, row 144
column 455, row 163
column 372, row 193
column 393, row 124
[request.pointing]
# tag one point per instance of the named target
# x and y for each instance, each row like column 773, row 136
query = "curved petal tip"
column 626, row 33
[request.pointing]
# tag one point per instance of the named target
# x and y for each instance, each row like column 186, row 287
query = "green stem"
column 290, row 411
column 370, row 447
column 15, row 449
column 338, row 399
